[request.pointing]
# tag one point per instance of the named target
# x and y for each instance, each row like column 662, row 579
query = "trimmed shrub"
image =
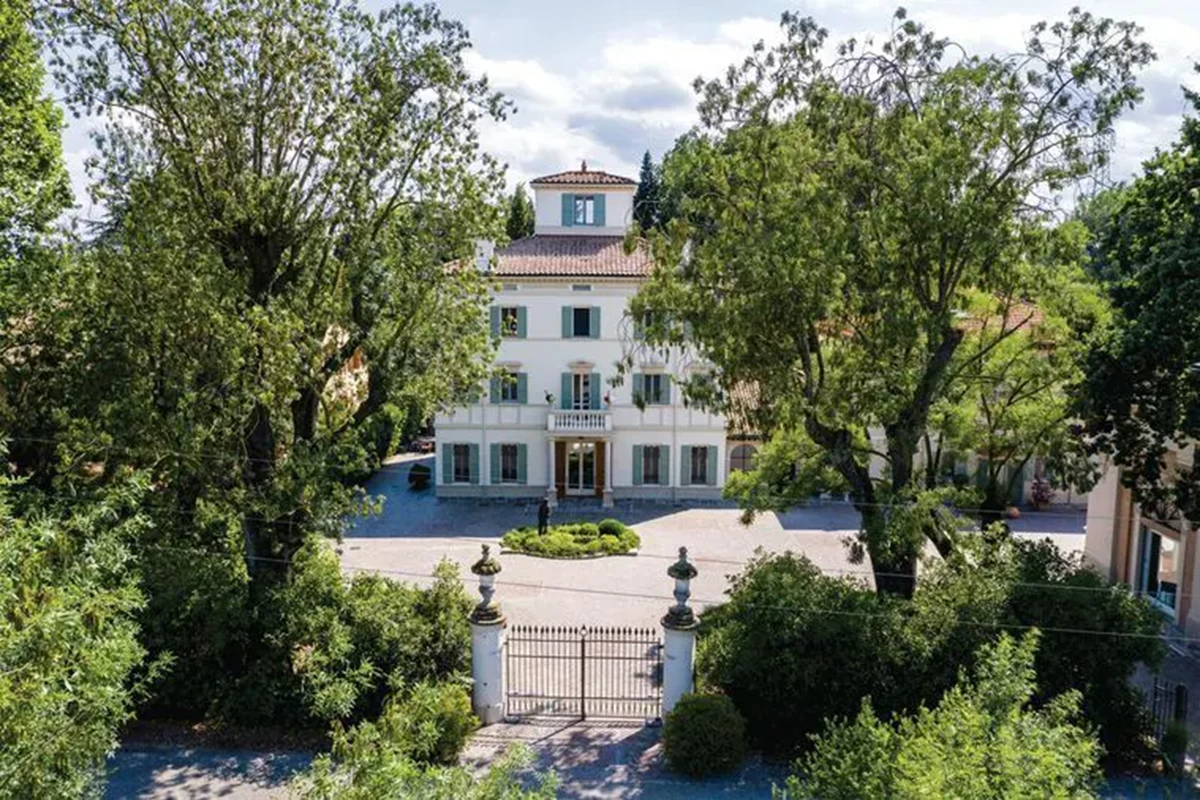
column 704, row 735
column 611, row 527
column 419, row 477
column 573, row 540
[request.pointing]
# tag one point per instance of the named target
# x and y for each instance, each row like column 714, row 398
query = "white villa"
column 557, row 427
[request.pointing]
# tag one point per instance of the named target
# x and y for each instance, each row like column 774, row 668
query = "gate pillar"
column 487, row 645
column 679, row 636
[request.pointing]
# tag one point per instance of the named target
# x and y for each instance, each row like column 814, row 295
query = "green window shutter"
column 637, row 465
column 521, row 322
column 474, row 463
column 711, row 459
column 447, row 463
column 494, row 389
column 566, row 322
column 522, row 387
column 568, row 210
column 594, row 391
column 495, row 310
column 598, row 211
column 565, row 397
column 685, row 465
column 639, row 387
column 494, row 458
column 594, row 323
column 664, row 465
column 522, row 464
column 666, row 390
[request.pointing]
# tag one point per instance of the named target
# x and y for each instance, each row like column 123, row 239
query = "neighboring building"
column 1154, row 552
column 556, row 427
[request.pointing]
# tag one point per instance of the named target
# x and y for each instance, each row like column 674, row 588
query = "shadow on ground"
column 175, row 773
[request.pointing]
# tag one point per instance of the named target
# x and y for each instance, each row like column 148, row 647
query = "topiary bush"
column 704, row 735
column 433, row 721
column 611, row 527
column 573, row 540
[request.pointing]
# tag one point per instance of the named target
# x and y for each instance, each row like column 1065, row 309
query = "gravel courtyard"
column 416, row 531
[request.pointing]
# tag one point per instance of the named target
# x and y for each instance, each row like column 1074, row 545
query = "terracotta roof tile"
column 587, row 177
column 595, row 256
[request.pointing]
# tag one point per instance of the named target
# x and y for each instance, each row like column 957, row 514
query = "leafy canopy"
column 1142, row 398
column 835, row 220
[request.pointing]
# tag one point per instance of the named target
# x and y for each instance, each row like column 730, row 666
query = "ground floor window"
column 742, row 458
column 700, row 465
column 508, row 463
column 462, row 463
column 1160, row 568
column 651, row 464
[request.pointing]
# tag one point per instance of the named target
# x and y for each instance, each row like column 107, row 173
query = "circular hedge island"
column 609, row 537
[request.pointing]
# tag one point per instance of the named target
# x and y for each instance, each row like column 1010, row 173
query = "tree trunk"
column 259, row 470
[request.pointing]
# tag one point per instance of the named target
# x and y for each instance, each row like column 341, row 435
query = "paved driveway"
column 415, row 531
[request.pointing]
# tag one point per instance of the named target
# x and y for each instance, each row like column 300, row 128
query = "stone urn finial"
column 487, row 568
column 680, row 615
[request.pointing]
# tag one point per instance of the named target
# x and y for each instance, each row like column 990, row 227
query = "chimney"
column 484, row 250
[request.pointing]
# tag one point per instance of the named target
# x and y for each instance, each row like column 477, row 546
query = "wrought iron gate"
column 1167, row 703
column 583, row 673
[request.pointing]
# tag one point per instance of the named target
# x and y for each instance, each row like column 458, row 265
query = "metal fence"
column 583, row 673
column 1167, row 703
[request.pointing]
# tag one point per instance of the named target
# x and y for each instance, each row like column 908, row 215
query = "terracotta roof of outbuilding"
column 572, row 256
column 586, row 176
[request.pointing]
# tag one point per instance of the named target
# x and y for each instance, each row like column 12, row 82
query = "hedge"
column 574, row 540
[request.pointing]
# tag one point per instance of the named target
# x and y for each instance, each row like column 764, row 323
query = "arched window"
column 741, row 458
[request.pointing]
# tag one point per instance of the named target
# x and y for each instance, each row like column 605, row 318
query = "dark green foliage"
column 648, row 197
column 1175, row 744
column 1143, row 387
column 519, row 222
column 574, row 540
column 984, row 739
column 68, row 644
column 793, row 647
column 704, row 735
column 338, row 647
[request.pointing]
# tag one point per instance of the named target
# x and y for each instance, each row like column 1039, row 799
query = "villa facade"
column 554, row 424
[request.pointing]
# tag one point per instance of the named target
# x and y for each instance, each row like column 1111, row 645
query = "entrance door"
column 581, row 468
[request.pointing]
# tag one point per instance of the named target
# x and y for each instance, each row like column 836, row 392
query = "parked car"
column 421, row 444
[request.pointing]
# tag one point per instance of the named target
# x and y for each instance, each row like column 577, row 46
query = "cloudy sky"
column 608, row 80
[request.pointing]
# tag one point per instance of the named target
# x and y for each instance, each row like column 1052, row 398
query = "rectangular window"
column 581, row 321
column 509, row 287
column 462, row 463
column 581, row 287
column 585, row 209
column 508, row 463
column 509, row 388
column 1161, row 569
column 699, row 465
column 651, row 464
column 654, row 389
column 509, row 316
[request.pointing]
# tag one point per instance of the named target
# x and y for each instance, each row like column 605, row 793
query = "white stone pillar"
column 551, row 488
column 608, row 472
column 487, row 645
column 679, row 636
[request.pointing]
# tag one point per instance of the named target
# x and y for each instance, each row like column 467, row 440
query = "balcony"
column 579, row 421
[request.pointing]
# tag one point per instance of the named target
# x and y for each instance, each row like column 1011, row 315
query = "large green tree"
column 1142, row 395
column 267, row 303
column 836, row 218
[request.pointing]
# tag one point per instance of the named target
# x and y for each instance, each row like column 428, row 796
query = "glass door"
column 581, row 391
column 581, row 468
